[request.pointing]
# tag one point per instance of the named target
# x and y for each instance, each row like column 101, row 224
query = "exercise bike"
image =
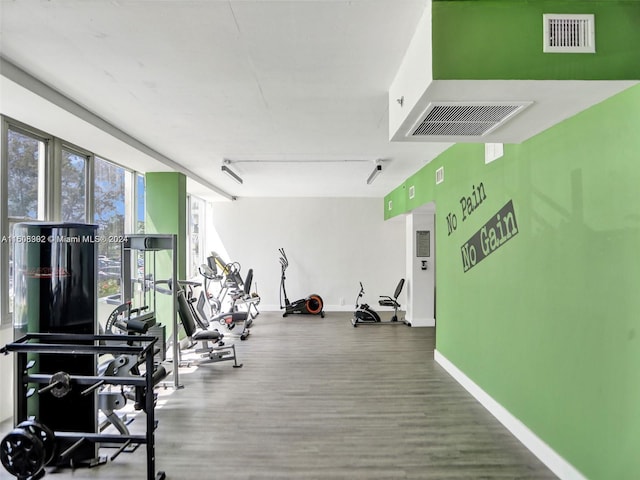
column 311, row 305
column 365, row 314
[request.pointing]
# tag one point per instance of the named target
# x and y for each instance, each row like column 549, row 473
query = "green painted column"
column 166, row 213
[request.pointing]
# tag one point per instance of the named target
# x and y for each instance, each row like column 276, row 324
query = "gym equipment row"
column 32, row 445
column 196, row 329
column 230, row 284
column 72, row 377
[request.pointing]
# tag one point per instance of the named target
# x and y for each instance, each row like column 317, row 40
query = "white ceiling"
column 293, row 92
column 200, row 81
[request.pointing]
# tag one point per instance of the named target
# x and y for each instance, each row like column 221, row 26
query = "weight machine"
column 56, row 293
column 31, row 445
column 139, row 255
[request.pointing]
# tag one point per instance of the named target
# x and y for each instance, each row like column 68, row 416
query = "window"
column 73, row 193
column 109, row 215
column 195, row 228
column 139, row 206
column 26, row 157
column 46, row 179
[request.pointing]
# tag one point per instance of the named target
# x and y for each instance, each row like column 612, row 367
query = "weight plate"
column 62, row 384
column 22, row 453
column 45, row 435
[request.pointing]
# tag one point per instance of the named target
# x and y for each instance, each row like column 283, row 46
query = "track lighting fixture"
column 231, row 174
column 376, row 171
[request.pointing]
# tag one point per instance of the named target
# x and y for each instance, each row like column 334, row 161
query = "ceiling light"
column 231, row 174
column 301, row 161
column 376, row 171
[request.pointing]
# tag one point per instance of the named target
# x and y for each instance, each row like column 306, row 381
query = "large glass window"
column 47, row 179
column 139, row 206
column 109, row 215
column 26, row 160
column 73, row 192
column 196, row 234
column 25, row 174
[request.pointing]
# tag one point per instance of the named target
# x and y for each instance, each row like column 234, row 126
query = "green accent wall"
column 548, row 323
column 493, row 39
column 166, row 213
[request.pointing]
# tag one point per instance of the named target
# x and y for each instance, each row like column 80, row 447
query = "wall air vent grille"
column 440, row 175
column 473, row 119
column 568, row 33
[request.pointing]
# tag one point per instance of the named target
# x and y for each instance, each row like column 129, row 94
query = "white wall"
column 420, row 288
column 331, row 243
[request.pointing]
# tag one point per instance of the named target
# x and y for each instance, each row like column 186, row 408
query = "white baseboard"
column 422, row 322
column 538, row 447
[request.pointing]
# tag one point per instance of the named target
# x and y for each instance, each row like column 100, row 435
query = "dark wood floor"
column 319, row 399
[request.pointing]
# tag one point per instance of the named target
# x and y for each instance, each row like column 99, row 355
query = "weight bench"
column 212, row 347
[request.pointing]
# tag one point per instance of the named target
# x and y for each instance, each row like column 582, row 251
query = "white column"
column 420, row 282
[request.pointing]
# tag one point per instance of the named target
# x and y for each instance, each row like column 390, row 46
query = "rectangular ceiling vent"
column 568, row 33
column 439, row 175
column 464, row 119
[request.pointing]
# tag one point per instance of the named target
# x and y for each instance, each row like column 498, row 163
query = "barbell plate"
column 22, row 453
column 45, row 434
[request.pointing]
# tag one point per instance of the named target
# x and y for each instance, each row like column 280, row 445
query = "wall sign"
column 423, row 243
column 468, row 205
column 500, row 228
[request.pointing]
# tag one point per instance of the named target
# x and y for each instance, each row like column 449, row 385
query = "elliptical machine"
column 311, row 305
column 365, row 314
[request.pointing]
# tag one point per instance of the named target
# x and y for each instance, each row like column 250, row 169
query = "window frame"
column 50, row 194
column 6, row 222
column 56, row 174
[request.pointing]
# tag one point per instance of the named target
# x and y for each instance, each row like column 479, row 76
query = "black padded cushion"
column 247, row 282
column 201, row 335
column 392, row 302
column 186, row 317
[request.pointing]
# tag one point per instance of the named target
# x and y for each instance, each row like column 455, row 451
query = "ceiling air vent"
column 412, row 192
column 568, row 33
column 464, row 119
column 439, row 175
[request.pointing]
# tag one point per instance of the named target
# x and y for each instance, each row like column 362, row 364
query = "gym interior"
column 208, row 332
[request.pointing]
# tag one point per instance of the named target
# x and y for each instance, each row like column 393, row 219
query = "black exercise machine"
column 365, row 314
column 127, row 323
column 30, row 446
column 311, row 305
column 212, row 347
column 235, row 323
